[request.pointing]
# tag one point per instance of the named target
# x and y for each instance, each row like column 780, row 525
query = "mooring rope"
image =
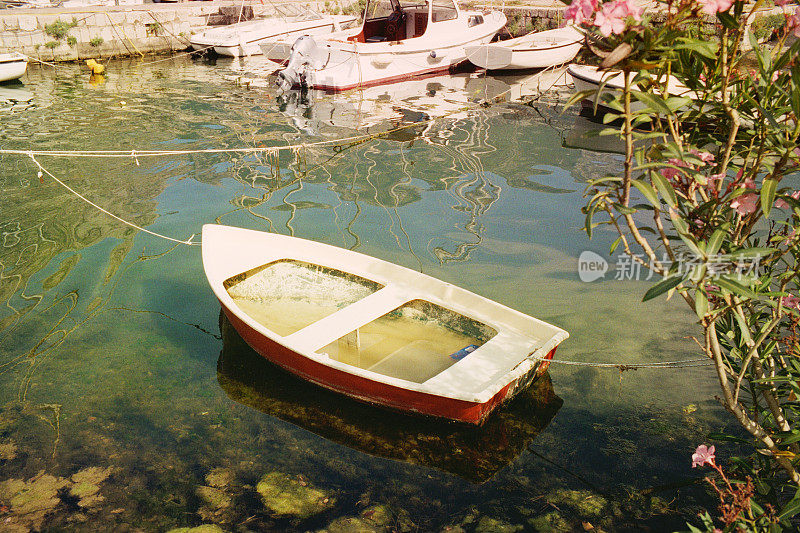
column 355, row 139
column 112, row 215
column 686, row 363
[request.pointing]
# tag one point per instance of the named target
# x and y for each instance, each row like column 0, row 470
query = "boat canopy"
column 397, row 20
column 440, row 10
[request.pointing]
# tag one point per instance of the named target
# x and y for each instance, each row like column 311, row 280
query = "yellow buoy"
column 96, row 79
column 96, row 67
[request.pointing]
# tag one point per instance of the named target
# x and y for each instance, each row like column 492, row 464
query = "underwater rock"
column 215, row 494
column 551, row 522
column 30, row 501
column 285, row 494
column 587, row 504
column 8, row 451
column 215, row 498
column 375, row 519
column 219, row 477
column 87, row 485
column 491, row 525
column 205, row 528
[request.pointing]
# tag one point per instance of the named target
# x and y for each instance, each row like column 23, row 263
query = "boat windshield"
column 415, row 342
column 287, row 295
column 381, row 9
column 443, row 10
column 295, row 12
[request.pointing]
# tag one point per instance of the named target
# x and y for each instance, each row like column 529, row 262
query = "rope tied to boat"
column 623, row 367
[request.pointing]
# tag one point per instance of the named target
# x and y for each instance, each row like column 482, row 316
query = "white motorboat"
column 399, row 39
column 244, row 38
column 535, row 50
column 12, row 66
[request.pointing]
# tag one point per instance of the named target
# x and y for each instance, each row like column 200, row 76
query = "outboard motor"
column 304, row 55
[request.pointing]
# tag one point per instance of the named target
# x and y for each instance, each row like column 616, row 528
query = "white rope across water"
column 245, row 150
column 112, row 215
column 686, row 363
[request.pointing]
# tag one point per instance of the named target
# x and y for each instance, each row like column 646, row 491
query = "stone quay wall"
column 68, row 34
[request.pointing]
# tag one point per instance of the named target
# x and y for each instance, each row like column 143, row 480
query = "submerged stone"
column 491, row 525
column 219, row 477
column 551, row 522
column 8, row 451
column 87, row 485
column 93, row 475
column 30, row 501
column 375, row 519
column 285, row 494
column 204, row 528
column 587, row 504
column 215, row 498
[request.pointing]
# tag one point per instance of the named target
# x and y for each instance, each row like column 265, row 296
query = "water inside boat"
column 287, row 295
column 414, row 342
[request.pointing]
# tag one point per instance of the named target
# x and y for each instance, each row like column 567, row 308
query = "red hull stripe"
column 383, row 81
column 366, row 389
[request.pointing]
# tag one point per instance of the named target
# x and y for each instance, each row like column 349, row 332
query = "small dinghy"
column 535, row 50
column 372, row 330
column 609, row 82
column 12, row 66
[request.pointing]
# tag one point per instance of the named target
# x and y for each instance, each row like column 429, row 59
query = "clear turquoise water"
column 113, row 354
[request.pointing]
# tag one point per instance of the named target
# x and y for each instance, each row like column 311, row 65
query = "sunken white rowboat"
column 373, row 330
column 535, row 50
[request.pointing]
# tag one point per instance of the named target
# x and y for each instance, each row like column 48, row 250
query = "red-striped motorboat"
column 373, row 330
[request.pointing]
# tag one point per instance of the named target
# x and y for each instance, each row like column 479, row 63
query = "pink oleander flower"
column 790, row 237
column 711, row 7
column 793, row 22
column 781, row 204
column 775, row 76
column 745, row 204
column 613, row 16
column 630, row 8
column 669, row 172
column 792, row 302
column 703, row 455
column 705, row 157
column 713, row 179
column 581, row 11
column 781, row 2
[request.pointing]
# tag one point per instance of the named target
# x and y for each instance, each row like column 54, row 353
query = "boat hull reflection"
column 474, row 454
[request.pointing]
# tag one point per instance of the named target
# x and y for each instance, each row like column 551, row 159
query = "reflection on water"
column 475, row 454
column 108, row 369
